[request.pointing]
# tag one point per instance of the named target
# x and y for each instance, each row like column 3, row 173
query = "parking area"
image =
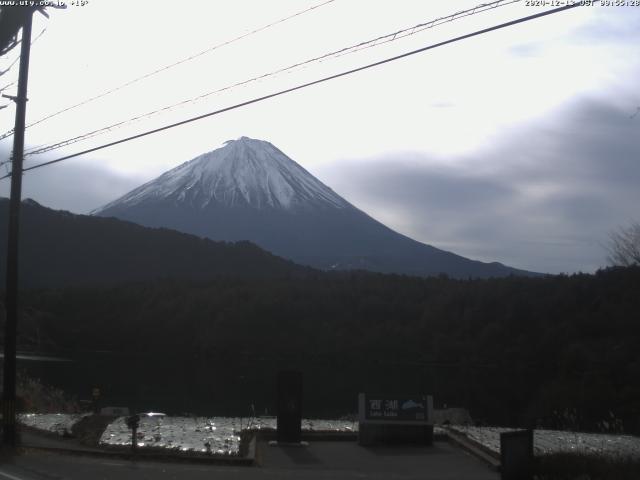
column 346, row 459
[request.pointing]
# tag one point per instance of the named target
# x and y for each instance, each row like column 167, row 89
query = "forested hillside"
column 516, row 351
column 59, row 248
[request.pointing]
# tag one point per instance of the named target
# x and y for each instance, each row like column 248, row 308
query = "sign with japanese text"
column 403, row 408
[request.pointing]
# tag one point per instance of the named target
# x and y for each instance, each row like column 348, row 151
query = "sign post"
column 133, row 422
column 95, row 399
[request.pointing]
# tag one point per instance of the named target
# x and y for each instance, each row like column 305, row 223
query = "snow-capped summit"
column 245, row 172
column 250, row 190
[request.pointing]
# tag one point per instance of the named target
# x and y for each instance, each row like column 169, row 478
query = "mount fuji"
column 250, row 190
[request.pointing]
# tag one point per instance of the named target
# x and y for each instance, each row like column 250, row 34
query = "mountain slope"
column 58, row 248
column 250, row 190
column 246, row 172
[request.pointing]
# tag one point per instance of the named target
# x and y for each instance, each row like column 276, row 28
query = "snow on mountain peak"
column 243, row 172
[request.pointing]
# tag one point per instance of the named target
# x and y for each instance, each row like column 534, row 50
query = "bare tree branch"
column 624, row 246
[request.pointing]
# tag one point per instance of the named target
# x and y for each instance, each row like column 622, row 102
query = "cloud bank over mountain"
column 545, row 199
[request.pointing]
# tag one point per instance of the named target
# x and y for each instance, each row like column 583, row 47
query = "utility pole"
column 9, row 430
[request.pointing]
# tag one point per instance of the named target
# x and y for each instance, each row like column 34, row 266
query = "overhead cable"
column 167, row 67
column 390, row 37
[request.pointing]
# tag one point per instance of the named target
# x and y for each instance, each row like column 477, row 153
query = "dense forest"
column 559, row 351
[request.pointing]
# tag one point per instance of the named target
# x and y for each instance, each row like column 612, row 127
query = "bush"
column 35, row 397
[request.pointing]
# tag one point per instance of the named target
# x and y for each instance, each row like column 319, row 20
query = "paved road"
column 348, row 460
column 321, row 460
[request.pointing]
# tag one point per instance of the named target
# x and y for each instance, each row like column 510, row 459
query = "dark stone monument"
column 516, row 455
column 289, row 407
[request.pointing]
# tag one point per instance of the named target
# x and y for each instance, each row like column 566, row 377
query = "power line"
column 2, row 89
column 390, row 37
column 305, row 85
column 15, row 60
column 167, row 67
column 405, row 32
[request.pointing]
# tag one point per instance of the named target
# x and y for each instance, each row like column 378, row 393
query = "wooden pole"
column 9, row 430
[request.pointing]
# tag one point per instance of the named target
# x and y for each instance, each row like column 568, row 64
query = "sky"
column 519, row 146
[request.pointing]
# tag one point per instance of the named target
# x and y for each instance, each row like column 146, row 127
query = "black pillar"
column 289, row 407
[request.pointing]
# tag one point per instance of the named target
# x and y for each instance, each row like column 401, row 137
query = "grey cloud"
column 526, row 50
column 610, row 25
column 397, row 182
column 76, row 187
column 545, row 199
